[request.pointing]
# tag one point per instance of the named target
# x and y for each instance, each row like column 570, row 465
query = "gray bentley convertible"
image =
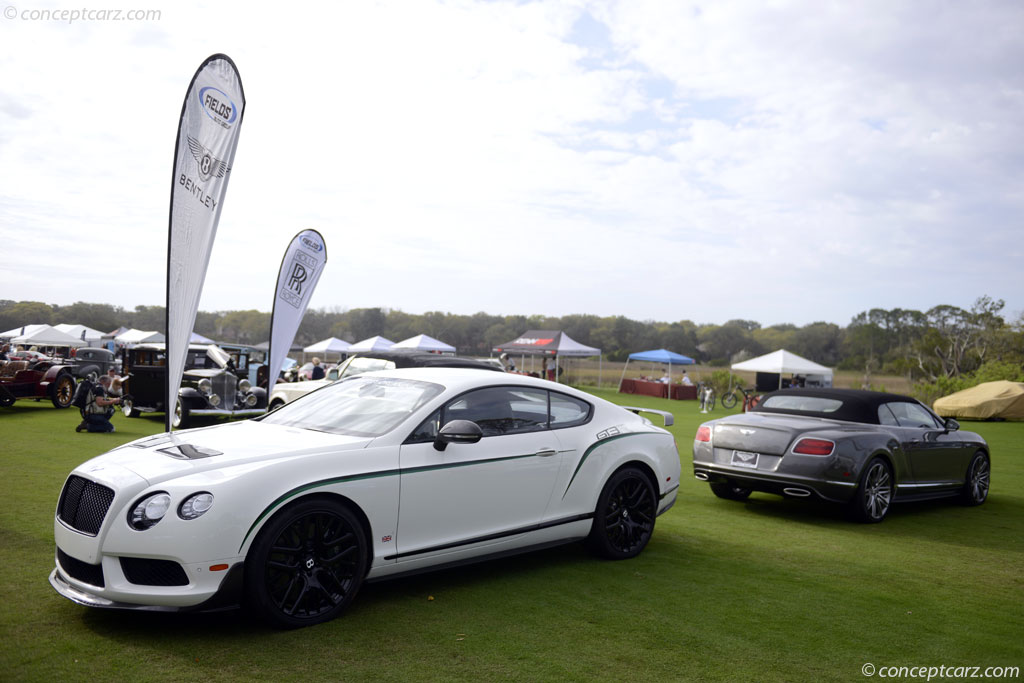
column 864, row 449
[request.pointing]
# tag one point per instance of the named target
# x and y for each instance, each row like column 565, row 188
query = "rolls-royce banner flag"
column 303, row 262
column 211, row 118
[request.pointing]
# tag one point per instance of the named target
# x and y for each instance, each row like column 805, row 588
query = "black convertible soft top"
column 857, row 405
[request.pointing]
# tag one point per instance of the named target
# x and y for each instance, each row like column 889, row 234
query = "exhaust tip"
column 799, row 493
column 703, row 476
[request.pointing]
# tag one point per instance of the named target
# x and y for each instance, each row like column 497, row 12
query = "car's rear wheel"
column 624, row 518
column 307, row 564
column 730, row 491
column 62, row 390
column 873, row 498
column 978, row 478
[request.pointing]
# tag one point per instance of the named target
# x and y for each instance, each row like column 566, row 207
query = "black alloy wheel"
column 873, row 498
column 624, row 519
column 62, row 390
column 976, row 484
column 730, row 491
column 307, row 564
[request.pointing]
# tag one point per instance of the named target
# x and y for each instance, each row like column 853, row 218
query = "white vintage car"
column 376, row 475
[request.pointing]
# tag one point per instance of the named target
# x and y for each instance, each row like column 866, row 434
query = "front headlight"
column 244, row 386
column 251, row 399
column 206, row 386
column 148, row 511
column 195, row 505
column 214, row 400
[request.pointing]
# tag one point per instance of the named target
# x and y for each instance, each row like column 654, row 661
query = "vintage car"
column 864, row 449
column 209, row 385
column 47, row 378
column 94, row 361
column 377, row 475
column 370, row 361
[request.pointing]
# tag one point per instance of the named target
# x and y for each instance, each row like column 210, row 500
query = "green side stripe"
column 367, row 475
column 590, row 449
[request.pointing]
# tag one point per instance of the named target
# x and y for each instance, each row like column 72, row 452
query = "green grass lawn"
column 767, row 590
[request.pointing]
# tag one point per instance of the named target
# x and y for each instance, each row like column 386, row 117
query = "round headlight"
column 148, row 511
column 195, row 505
column 250, row 400
column 244, row 386
column 214, row 400
column 205, row 386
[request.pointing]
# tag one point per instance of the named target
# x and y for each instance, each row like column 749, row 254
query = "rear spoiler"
column 669, row 420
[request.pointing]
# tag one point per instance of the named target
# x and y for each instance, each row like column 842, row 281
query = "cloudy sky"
column 781, row 162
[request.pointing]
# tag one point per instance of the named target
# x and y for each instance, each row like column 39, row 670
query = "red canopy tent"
column 552, row 343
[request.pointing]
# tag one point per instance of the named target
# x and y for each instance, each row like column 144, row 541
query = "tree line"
column 934, row 346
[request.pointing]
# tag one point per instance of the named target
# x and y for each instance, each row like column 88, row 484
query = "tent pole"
column 556, row 369
column 623, row 374
column 600, row 369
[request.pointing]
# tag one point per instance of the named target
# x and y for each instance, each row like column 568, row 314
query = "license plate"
column 744, row 459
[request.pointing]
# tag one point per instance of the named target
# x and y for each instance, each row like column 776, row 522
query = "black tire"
column 977, row 482
column 6, row 399
column 729, row 400
column 62, row 390
column 307, row 564
column 277, row 403
column 128, row 408
column 730, row 491
column 624, row 518
column 873, row 498
column 179, row 420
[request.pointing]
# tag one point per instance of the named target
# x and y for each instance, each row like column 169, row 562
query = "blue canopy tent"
column 657, row 356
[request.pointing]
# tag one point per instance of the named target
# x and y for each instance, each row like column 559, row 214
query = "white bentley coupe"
column 376, row 475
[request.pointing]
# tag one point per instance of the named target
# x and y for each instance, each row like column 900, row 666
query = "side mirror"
column 332, row 374
column 458, row 431
column 951, row 424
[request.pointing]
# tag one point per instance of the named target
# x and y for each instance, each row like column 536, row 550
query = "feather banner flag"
column 211, row 118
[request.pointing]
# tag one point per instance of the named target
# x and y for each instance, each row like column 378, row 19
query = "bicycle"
column 750, row 398
column 706, row 396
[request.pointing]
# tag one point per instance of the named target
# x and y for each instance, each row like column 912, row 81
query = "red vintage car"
column 40, row 379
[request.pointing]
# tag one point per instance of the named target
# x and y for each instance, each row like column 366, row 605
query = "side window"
column 885, row 416
column 912, row 415
column 501, row 410
column 567, row 411
column 427, row 431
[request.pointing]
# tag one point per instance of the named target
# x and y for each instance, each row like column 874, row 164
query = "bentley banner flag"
column 211, row 117
column 300, row 271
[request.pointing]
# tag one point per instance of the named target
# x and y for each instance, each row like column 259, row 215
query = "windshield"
column 359, row 406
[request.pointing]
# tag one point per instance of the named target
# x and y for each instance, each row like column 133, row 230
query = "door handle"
column 546, row 452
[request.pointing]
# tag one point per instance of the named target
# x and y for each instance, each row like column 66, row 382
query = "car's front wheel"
column 978, row 477
column 62, row 390
column 624, row 518
column 730, row 491
column 873, row 498
column 180, row 418
column 307, row 564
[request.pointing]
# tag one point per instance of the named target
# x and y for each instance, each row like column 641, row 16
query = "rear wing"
column 669, row 419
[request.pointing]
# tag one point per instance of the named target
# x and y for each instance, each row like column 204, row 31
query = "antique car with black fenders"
column 864, row 449
column 375, row 476
column 93, row 361
column 47, row 378
column 209, row 386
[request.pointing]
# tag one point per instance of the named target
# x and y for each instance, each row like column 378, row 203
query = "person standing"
column 318, row 370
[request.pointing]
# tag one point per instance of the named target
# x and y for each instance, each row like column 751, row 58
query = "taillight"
column 814, row 447
column 704, row 433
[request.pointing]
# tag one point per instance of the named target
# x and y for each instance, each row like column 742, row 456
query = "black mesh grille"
column 83, row 504
column 91, row 574
column 147, row 572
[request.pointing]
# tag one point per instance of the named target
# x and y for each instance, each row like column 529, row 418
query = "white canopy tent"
column 45, row 335
column 139, row 337
column 377, row 343
column 81, row 332
column 783, row 361
column 423, row 342
column 329, row 345
column 20, row 331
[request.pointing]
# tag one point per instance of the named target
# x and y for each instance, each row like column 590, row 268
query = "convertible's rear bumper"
column 771, row 482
